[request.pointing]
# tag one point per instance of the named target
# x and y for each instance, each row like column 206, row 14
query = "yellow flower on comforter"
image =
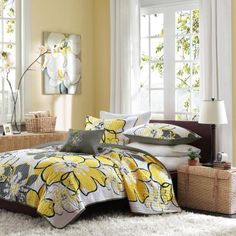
column 74, row 172
column 133, row 176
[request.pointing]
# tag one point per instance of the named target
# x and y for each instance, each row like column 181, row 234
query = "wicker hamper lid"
column 205, row 171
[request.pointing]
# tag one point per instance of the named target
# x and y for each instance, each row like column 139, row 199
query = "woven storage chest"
column 207, row 189
column 41, row 125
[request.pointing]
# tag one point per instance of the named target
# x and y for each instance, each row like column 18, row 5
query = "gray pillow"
column 83, row 141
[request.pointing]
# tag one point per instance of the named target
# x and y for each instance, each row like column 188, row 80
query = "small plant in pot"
column 193, row 157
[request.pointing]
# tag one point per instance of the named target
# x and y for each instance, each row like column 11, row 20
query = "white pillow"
column 171, row 163
column 143, row 118
column 165, row 150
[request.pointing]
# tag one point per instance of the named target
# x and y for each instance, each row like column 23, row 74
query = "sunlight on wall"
column 66, row 16
column 63, row 108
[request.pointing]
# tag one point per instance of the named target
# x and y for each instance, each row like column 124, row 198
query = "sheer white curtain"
column 215, row 43
column 124, row 53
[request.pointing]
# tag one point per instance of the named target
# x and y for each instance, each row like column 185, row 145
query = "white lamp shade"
column 212, row 112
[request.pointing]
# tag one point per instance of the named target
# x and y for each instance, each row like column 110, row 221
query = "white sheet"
column 171, row 163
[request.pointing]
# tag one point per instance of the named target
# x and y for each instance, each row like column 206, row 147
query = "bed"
column 59, row 186
column 204, row 144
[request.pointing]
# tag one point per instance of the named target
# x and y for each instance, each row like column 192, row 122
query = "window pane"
column 157, row 116
column 0, row 82
column 157, row 27
column 8, row 103
column 144, row 73
column 182, row 117
column 145, row 49
column 195, row 47
column 195, row 21
column 182, row 100
column 8, row 47
column 9, row 9
column 157, row 75
column 140, row 101
column 1, row 22
column 196, row 76
column 195, row 102
column 144, row 25
column 182, row 19
column 183, row 48
column 11, row 77
column 157, row 100
column 1, row 48
column 9, row 31
column 1, row 13
column 183, row 75
column 157, row 49
column 8, row 44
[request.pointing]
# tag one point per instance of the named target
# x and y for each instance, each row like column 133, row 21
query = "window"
column 10, row 42
column 169, row 61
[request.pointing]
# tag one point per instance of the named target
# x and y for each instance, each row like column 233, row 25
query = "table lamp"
column 212, row 112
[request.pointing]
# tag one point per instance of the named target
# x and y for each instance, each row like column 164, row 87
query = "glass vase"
column 16, row 112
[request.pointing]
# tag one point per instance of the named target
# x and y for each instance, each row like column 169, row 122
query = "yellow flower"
column 75, row 172
column 158, row 173
column 113, row 176
column 37, row 200
column 133, row 177
column 33, row 197
column 45, row 208
column 166, row 193
column 134, row 180
column 160, row 176
column 112, row 130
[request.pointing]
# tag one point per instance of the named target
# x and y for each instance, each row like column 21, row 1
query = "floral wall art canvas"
column 62, row 66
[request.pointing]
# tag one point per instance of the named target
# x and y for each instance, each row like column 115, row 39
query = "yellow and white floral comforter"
column 60, row 185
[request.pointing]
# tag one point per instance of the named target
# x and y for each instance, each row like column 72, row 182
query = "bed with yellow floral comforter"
column 60, row 185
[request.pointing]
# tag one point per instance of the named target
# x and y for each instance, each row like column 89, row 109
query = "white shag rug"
column 184, row 223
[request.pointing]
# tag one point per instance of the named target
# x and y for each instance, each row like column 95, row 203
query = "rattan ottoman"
column 207, row 189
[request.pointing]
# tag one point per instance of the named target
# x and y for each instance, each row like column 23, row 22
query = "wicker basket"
column 41, row 125
column 207, row 189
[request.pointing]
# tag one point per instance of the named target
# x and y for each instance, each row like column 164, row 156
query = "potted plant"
column 193, row 157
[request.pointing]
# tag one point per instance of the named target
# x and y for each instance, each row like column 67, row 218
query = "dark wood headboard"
column 204, row 130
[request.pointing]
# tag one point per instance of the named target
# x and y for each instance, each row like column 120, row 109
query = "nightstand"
column 28, row 140
column 207, row 189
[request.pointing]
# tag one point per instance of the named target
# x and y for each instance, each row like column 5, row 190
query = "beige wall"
column 90, row 19
column 102, row 54
column 234, row 75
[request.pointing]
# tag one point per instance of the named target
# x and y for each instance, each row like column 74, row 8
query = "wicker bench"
column 207, row 189
column 28, row 140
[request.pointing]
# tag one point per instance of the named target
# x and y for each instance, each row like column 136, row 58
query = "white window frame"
column 6, row 117
column 169, row 9
column 26, row 94
column 23, row 57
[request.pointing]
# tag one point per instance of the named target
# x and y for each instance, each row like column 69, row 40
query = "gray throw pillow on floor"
column 83, row 141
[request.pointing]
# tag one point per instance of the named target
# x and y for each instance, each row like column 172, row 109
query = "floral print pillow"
column 162, row 134
column 114, row 128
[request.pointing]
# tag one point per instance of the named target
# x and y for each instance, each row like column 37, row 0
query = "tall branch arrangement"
column 7, row 64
